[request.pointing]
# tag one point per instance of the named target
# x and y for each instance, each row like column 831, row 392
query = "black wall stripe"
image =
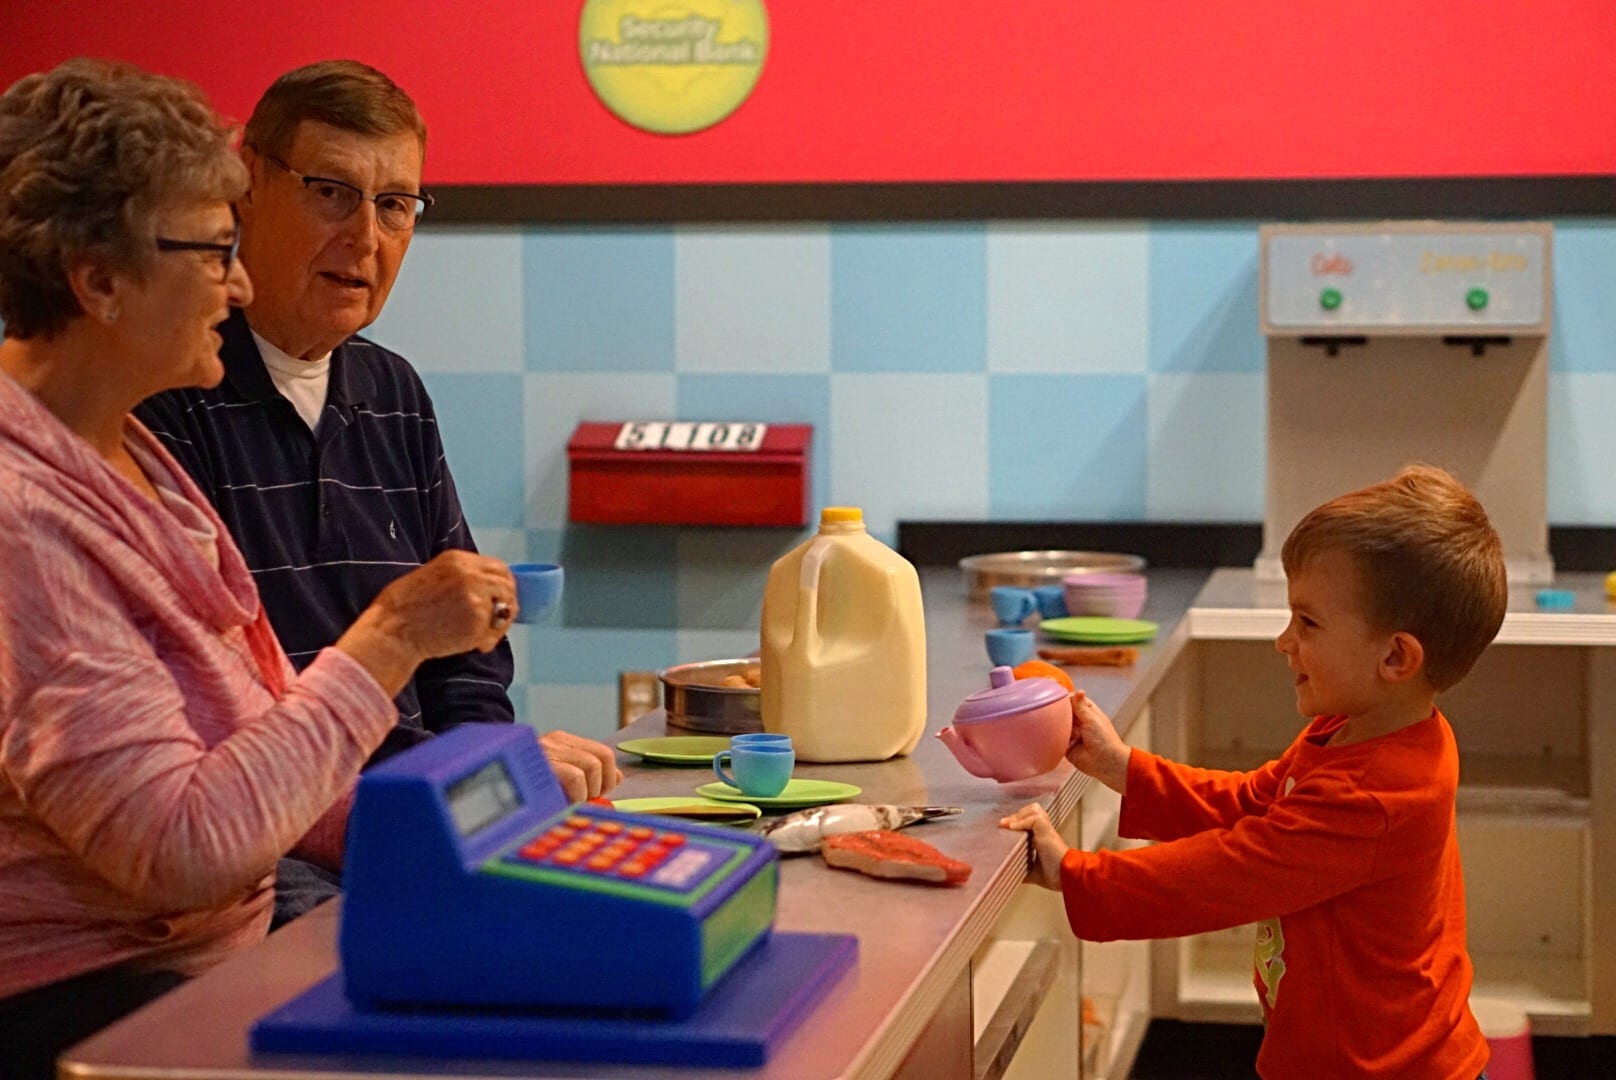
column 1264, row 200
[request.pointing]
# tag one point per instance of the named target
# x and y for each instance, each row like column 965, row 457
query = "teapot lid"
column 1008, row 696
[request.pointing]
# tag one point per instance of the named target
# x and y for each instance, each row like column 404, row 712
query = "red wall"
column 939, row 90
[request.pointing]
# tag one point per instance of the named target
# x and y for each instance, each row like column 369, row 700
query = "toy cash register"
column 469, row 880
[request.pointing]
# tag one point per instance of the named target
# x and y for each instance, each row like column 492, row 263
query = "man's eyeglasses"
column 226, row 252
column 335, row 200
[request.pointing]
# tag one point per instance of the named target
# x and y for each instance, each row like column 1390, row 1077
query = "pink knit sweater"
column 149, row 777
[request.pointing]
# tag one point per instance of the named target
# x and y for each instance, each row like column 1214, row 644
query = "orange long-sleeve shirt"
column 1347, row 858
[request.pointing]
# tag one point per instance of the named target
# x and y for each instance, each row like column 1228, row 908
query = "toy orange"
column 1034, row 669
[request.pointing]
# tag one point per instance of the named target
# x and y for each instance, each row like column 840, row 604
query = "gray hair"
column 89, row 152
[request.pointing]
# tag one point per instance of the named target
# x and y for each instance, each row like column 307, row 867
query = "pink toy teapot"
column 1014, row 729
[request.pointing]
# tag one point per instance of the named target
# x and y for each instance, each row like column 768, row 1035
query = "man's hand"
column 1048, row 849
column 585, row 767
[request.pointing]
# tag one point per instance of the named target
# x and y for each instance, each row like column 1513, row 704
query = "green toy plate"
column 693, row 807
column 677, row 749
column 1097, row 630
column 797, row 793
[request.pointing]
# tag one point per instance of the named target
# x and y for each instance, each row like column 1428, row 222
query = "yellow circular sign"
column 673, row 66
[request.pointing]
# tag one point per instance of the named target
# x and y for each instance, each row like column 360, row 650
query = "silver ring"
column 502, row 613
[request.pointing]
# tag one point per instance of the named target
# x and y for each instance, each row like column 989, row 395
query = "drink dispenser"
column 1396, row 342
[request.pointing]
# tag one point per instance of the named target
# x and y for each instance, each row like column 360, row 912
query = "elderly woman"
column 157, row 750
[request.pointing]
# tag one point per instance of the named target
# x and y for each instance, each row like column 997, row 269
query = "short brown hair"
column 89, row 151
column 1431, row 563
column 346, row 94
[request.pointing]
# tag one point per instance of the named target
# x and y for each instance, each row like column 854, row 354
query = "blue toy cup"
column 1009, row 646
column 1051, row 601
column 762, row 769
column 538, row 588
column 1012, row 604
column 760, row 738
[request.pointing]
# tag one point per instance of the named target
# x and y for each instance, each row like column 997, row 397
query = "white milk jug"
column 844, row 646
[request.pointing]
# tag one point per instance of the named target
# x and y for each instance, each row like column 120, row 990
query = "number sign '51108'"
column 737, row 436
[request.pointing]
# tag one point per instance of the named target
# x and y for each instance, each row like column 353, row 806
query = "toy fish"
column 802, row 832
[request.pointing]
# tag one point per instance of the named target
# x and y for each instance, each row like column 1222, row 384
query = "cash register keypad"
column 614, row 850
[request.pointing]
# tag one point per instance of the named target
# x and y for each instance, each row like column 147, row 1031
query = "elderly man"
column 320, row 449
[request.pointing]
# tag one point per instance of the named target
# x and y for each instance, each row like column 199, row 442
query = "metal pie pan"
column 695, row 701
column 1034, row 568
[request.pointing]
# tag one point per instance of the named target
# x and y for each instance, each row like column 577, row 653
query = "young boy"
column 1344, row 850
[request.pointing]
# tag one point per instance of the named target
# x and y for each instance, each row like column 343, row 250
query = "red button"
column 669, row 839
column 610, row 828
column 633, row 868
column 640, row 832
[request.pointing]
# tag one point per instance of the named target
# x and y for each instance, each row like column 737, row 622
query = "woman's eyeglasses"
column 335, row 200
column 226, row 252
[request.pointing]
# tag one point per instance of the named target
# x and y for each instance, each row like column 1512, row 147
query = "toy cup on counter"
column 1014, row 729
column 1051, row 601
column 1008, row 645
column 1012, row 604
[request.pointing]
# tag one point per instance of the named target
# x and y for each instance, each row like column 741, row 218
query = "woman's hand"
column 457, row 602
column 1095, row 747
column 1048, row 849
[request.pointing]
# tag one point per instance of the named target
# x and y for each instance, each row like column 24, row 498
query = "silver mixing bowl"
column 695, row 701
column 1033, row 568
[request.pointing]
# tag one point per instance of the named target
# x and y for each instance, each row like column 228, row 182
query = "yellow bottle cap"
column 835, row 515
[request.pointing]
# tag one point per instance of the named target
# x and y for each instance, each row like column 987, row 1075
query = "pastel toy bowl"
column 538, row 588
column 1015, row 729
column 1117, row 596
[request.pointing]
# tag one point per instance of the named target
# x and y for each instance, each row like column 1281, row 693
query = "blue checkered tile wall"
column 1050, row 371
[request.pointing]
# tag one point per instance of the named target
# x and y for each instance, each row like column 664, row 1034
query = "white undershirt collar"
column 302, row 382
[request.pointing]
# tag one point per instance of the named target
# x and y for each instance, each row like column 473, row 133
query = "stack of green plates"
column 1097, row 630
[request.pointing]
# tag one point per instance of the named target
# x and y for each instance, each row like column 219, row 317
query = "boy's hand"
column 1095, row 747
column 1048, row 849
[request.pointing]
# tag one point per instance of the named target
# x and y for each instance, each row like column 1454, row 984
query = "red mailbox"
column 688, row 473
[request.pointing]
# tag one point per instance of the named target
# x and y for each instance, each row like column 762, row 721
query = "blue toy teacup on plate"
column 762, row 769
column 538, row 587
column 760, row 738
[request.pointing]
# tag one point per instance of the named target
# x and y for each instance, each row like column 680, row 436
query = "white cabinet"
column 1115, row 977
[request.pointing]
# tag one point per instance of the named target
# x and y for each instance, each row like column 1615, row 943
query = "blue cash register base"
column 485, row 916
column 760, row 1002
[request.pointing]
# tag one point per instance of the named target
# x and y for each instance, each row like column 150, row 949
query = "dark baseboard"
column 1171, row 544
column 1174, row 1050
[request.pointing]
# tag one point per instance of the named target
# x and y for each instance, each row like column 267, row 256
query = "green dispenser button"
column 1330, row 299
column 1476, row 299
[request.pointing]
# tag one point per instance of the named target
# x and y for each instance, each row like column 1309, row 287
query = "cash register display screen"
column 482, row 798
